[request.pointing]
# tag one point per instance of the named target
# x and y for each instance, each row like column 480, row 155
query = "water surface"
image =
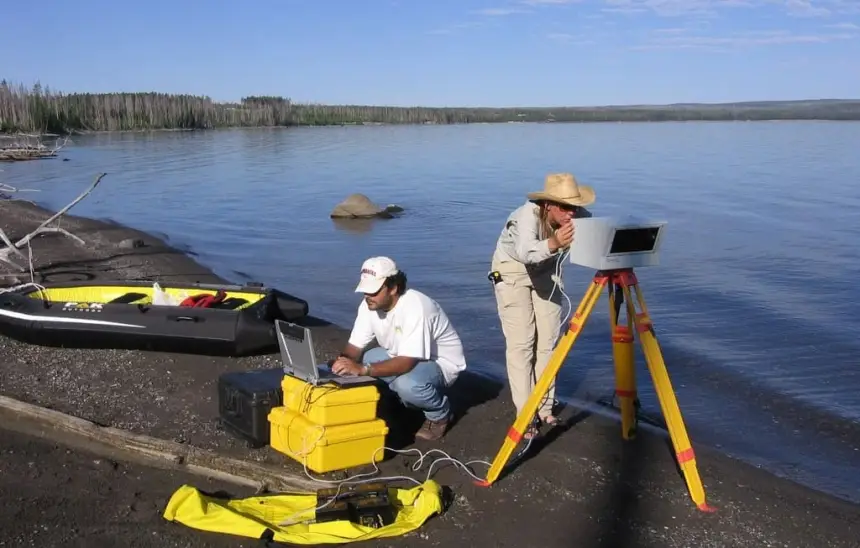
column 754, row 301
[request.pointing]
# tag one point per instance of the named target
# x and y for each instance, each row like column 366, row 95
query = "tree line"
column 41, row 110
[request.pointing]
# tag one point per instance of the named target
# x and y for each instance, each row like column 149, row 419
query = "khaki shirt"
column 519, row 249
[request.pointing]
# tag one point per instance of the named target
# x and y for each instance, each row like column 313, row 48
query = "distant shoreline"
column 11, row 134
column 38, row 110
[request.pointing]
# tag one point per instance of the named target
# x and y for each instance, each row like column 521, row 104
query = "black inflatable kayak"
column 210, row 319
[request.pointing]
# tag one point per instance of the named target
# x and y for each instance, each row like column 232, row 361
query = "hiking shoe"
column 433, row 430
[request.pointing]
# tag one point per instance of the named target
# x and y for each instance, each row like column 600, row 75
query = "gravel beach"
column 580, row 487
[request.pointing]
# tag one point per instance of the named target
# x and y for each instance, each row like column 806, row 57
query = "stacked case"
column 328, row 427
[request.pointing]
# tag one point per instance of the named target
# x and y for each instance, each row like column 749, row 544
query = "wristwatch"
column 365, row 371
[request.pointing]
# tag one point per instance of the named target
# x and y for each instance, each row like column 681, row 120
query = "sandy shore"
column 581, row 487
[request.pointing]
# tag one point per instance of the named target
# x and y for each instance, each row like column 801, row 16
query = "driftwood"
column 51, row 424
column 42, row 229
column 29, row 147
column 6, row 191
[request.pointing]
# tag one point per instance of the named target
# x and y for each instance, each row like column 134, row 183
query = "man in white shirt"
column 420, row 353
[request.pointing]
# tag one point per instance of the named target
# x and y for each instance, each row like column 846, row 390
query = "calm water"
column 755, row 300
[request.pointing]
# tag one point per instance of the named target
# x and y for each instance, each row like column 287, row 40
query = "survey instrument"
column 615, row 247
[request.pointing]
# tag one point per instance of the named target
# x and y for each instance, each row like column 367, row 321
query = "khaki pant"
column 531, row 324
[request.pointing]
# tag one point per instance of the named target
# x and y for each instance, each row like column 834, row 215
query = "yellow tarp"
column 253, row 516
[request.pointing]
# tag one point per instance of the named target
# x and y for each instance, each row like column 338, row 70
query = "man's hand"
column 562, row 237
column 346, row 367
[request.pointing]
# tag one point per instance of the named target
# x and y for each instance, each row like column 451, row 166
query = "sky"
column 444, row 52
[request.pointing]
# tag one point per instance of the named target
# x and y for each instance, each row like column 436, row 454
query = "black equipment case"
column 244, row 401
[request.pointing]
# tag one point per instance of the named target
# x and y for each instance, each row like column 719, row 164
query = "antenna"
column 610, row 243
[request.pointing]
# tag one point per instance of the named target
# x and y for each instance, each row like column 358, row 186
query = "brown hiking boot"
column 433, row 430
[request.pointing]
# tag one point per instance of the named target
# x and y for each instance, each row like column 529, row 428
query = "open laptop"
column 300, row 360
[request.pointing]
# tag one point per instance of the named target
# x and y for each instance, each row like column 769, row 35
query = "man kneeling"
column 420, row 353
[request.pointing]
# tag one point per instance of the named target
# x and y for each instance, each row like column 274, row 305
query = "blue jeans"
column 424, row 387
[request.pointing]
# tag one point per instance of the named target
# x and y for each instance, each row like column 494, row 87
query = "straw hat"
column 562, row 188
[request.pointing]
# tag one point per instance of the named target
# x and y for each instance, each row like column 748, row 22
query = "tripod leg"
column 515, row 433
column 668, row 403
column 625, row 370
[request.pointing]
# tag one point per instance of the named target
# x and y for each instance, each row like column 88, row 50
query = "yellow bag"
column 255, row 516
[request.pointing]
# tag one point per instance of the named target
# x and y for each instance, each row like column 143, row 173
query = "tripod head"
column 610, row 243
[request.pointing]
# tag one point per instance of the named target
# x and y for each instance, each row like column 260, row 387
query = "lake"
column 754, row 302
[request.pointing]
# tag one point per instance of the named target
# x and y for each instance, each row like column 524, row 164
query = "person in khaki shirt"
column 523, row 273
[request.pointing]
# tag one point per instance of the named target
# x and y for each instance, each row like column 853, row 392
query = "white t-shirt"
column 416, row 327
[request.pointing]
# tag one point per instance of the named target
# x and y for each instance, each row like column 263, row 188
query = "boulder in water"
column 359, row 206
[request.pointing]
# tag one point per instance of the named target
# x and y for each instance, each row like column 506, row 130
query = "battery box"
column 326, row 448
column 368, row 505
column 245, row 399
column 331, row 404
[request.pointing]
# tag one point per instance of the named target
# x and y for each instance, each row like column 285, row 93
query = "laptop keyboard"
column 325, row 372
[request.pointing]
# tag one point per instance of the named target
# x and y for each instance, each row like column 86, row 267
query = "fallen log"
column 48, row 423
column 27, row 150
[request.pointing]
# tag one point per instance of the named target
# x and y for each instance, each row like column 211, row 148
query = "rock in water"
column 359, row 206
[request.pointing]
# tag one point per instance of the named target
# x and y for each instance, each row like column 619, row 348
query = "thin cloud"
column 821, row 7
column 742, row 40
column 805, row 8
column 676, row 30
column 845, row 6
column 571, row 39
column 548, row 2
column 560, row 36
column 675, row 8
column 671, row 8
column 625, row 10
column 484, row 13
column 693, row 25
column 500, row 12
column 844, row 26
column 455, row 27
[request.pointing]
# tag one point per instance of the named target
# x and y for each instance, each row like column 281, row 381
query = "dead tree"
column 15, row 249
column 30, row 147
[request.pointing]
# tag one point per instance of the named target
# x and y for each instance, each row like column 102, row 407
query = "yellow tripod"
column 623, row 280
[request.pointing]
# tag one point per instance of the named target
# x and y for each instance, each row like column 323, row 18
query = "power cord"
column 306, row 394
column 558, row 284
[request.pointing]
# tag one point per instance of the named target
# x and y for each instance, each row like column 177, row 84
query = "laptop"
column 300, row 360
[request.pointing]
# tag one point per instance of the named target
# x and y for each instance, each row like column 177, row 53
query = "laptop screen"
column 297, row 351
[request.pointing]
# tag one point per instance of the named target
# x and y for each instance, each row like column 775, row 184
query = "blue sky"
column 445, row 52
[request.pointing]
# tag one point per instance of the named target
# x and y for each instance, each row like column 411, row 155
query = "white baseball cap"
column 374, row 271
